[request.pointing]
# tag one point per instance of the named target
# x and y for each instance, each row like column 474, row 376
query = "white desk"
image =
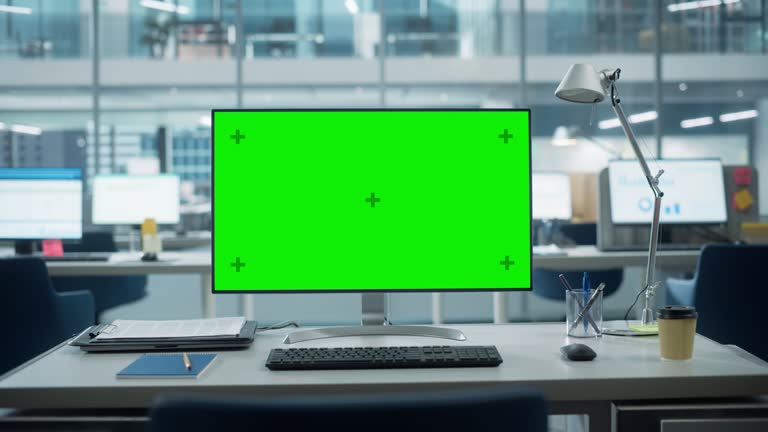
column 626, row 369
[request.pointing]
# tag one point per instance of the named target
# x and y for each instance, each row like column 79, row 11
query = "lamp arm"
column 650, row 284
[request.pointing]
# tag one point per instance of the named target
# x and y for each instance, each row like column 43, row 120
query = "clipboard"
column 86, row 341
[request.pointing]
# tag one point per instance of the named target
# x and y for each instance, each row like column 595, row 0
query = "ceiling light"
column 2, row 126
column 741, row 115
column 204, row 120
column 352, row 6
column 677, row 7
column 634, row 118
column 16, row 9
column 609, row 124
column 163, row 6
column 643, row 117
column 563, row 137
column 24, row 129
column 696, row 122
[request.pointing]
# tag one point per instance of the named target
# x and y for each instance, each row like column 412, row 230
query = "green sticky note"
column 645, row 328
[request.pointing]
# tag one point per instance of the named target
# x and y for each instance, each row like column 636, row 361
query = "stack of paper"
column 172, row 329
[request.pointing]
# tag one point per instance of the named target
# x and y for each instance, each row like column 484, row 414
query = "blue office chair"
column 478, row 409
column 728, row 291
column 33, row 316
column 108, row 291
column 546, row 283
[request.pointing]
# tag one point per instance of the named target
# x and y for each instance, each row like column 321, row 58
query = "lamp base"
column 629, row 328
column 647, row 317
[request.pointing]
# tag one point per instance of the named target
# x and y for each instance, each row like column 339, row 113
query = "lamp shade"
column 581, row 84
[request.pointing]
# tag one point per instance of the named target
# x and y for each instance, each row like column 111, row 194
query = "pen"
column 585, row 289
column 587, row 307
column 187, row 363
column 568, row 287
column 565, row 282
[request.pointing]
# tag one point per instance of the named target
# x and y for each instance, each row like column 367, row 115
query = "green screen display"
column 396, row 200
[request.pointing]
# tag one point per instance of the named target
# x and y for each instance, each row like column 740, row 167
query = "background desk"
column 129, row 263
column 171, row 240
column 626, row 369
column 590, row 258
column 577, row 258
column 585, row 258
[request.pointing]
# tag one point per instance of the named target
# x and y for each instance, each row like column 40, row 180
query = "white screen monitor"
column 129, row 200
column 694, row 192
column 551, row 196
column 41, row 203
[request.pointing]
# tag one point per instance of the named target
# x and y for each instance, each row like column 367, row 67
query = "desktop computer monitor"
column 371, row 200
column 41, row 203
column 551, row 196
column 694, row 192
column 129, row 200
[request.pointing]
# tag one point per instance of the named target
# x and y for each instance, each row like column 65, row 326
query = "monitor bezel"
column 80, row 179
column 663, row 223
column 370, row 290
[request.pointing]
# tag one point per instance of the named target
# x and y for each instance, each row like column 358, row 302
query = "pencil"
column 187, row 362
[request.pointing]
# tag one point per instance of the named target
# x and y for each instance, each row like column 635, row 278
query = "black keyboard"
column 383, row 357
column 78, row 256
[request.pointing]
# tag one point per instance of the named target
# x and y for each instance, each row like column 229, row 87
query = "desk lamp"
column 583, row 84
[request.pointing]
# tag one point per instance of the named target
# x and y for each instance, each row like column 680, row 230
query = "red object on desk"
column 53, row 248
column 742, row 176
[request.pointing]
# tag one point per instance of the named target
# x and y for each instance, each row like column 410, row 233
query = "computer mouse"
column 578, row 352
column 149, row 256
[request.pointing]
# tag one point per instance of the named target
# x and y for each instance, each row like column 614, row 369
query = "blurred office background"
column 124, row 86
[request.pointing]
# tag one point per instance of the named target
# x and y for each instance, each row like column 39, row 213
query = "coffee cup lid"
column 676, row 312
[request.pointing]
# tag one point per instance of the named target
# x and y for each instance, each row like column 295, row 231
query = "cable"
column 279, row 326
column 626, row 315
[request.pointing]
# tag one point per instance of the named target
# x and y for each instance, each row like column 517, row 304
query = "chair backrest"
column 108, row 291
column 581, row 233
column 731, row 294
column 475, row 409
column 27, row 301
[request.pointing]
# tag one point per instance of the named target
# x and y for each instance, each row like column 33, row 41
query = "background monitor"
column 694, row 192
column 128, row 200
column 371, row 200
column 551, row 196
column 41, row 203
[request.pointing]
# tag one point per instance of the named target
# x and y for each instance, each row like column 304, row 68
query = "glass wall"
column 34, row 29
column 164, row 64
column 712, row 116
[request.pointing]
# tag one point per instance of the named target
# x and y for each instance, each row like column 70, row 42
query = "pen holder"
column 584, row 313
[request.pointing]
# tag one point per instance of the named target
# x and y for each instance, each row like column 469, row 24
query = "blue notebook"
column 166, row 365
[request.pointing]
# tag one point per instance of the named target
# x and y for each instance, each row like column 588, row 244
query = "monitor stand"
column 375, row 323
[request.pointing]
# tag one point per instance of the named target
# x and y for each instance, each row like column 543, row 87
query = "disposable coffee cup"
column 677, row 327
